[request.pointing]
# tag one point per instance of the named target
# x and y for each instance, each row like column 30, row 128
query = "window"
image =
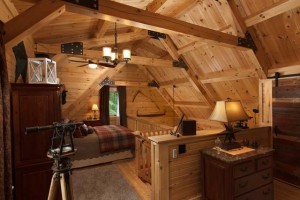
column 113, row 102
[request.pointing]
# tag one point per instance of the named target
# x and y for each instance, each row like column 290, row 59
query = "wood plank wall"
column 146, row 100
column 184, row 173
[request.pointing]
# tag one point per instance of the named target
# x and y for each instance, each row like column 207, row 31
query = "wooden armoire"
column 33, row 105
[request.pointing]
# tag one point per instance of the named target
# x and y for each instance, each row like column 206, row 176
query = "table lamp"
column 94, row 109
column 229, row 111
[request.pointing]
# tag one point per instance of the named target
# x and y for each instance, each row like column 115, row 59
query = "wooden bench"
column 143, row 153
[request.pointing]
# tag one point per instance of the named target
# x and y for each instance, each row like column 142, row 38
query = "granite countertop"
column 226, row 157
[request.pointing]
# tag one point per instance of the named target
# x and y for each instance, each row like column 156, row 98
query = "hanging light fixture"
column 111, row 55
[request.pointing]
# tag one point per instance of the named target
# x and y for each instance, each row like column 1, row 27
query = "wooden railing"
column 138, row 124
column 143, row 153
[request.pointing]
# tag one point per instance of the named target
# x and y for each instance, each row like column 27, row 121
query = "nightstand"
column 92, row 122
column 239, row 177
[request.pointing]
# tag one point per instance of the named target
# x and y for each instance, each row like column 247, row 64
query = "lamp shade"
column 228, row 111
column 106, row 52
column 126, row 54
column 95, row 107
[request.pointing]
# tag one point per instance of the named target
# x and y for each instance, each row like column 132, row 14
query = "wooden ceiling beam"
column 116, row 12
column 291, row 68
column 183, row 8
column 215, row 77
column 62, row 39
column 173, row 82
column 189, row 73
column 156, row 5
column 161, row 91
column 196, row 44
column 71, row 111
column 271, row 11
column 102, row 27
column 110, row 39
column 260, row 54
column 131, row 83
column 187, row 104
column 31, row 20
column 94, row 54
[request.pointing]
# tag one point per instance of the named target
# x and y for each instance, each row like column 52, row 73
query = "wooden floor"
column 142, row 188
column 282, row 191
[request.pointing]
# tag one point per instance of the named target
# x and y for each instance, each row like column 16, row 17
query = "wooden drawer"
column 264, row 163
column 243, row 169
column 253, row 181
column 263, row 193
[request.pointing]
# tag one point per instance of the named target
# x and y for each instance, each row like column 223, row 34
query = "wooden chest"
column 239, row 177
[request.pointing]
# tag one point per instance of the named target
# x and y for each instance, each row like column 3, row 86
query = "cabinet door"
column 32, row 108
column 33, row 182
column 216, row 180
column 33, row 105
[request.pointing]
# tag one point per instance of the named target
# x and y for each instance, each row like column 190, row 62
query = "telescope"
column 60, row 151
column 51, row 127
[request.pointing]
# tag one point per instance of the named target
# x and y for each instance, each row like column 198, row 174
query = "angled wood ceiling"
column 204, row 33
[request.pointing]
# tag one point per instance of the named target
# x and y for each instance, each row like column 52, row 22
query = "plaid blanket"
column 114, row 137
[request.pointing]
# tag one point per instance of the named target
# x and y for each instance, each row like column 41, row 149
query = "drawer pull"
column 265, row 176
column 243, row 168
column 243, row 185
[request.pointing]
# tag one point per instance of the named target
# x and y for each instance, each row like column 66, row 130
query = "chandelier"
column 111, row 55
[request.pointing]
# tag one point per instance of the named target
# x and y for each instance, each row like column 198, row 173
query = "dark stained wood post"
column 5, row 130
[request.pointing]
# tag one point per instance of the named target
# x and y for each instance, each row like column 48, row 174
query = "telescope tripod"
column 61, row 173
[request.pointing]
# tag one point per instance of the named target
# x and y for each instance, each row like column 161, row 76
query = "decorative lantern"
column 41, row 70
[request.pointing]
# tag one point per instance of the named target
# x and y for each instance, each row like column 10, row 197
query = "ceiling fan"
column 92, row 64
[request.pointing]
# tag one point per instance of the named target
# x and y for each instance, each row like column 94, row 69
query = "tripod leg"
column 66, row 190
column 53, row 187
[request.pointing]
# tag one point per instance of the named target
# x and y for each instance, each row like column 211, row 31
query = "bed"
column 105, row 144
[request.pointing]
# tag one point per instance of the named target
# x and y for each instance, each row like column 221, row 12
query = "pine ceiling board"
column 225, row 90
column 182, row 40
column 213, row 58
column 245, row 89
column 170, row 6
column 166, row 74
column 186, row 93
column 199, row 113
column 21, row 6
column 120, row 29
column 281, row 36
column 151, row 48
column 68, row 24
column 205, row 14
column 130, row 73
column 253, row 6
column 157, row 44
column 142, row 4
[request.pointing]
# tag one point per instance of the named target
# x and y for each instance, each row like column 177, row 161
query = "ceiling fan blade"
column 78, row 61
column 82, row 65
column 107, row 64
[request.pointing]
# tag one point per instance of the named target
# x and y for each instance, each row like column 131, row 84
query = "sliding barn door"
column 286, row 129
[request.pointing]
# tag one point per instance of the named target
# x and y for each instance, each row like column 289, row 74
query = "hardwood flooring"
column 128, row 169
column 282, row 191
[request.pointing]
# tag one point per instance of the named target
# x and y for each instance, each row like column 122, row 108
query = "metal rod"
column 284, row 76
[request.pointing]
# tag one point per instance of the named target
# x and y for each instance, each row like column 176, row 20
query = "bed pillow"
column 77, row 133
column 90, row 130
column 84, row 129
